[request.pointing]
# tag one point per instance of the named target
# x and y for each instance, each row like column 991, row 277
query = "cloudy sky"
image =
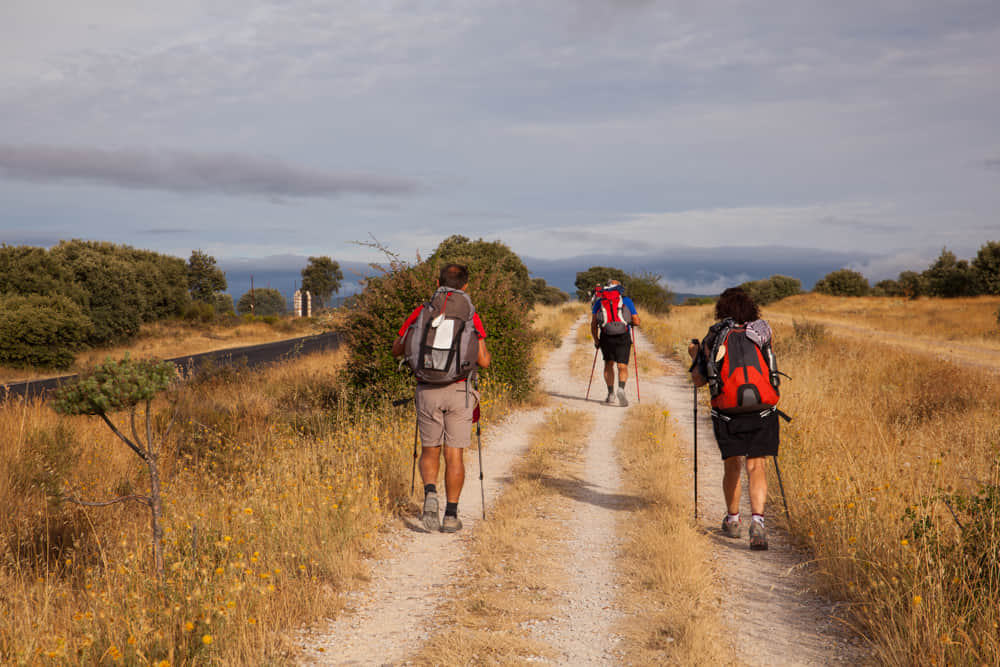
column 707, row 141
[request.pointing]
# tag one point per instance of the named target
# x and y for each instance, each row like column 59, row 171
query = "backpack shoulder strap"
column 721, row 331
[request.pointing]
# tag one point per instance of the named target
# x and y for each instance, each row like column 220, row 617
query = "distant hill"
column 688, row 271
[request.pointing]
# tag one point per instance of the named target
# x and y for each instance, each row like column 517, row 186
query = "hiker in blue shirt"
column 613, row 316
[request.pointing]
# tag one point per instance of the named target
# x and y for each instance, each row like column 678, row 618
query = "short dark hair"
column 454, row 276
column 737, row 304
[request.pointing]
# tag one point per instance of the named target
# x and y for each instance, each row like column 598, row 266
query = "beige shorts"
column 443, row 416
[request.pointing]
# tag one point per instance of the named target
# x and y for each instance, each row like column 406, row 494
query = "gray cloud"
column 41, row 237
column 860, row 225
column 166, row 231
column 992, row 165
column 187, row 172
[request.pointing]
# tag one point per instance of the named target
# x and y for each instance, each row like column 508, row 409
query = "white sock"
column 733, row 518
column 759, row 518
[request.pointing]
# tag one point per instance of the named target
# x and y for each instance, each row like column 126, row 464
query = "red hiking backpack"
column 742, row 375
column 612, row 312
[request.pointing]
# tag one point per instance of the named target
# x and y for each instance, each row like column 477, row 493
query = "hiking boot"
column 622, row 401
column 758, row 536
column 451, row 524
column 731, row 528
column 430, row 516
column 611, row 398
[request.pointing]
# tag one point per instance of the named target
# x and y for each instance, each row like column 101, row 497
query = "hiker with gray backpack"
column 444, row 343
column 736, row 359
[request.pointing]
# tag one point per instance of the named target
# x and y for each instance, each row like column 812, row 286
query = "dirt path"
column 774, row 619
column 383, row 625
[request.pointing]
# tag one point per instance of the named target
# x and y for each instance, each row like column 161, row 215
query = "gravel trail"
column 581, row 631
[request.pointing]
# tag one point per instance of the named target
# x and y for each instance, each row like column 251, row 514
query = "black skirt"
column 746, row 434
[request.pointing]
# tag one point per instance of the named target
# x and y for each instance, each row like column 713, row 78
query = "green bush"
column 264, row 301
column 372, row 323
column 114, row 300
column 481, row 256
column 887, row 287
column 543, row 293
column 911, row 284
column 772, row 289
column 597, row 275
column 223, row 303
column 698, row 301
column 649, row 292
column 949, row 276
column 41, row 331
column 987, row 267
column 199, row 311
column 843, row 282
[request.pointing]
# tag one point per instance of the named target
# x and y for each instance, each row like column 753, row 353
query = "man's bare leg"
column 454, row 473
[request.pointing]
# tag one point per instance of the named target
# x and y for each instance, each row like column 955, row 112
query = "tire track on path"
column 582, row 630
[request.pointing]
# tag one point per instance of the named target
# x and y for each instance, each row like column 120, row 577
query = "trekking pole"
column 782, row 487
column 482, row 487
column 635, row 353
column 695, row 453
column 593, row 366
column 413, row 475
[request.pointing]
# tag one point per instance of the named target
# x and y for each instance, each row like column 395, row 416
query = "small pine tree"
column 125, row 385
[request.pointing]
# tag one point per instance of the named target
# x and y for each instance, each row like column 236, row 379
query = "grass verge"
column 275, row 492
column 669, row 596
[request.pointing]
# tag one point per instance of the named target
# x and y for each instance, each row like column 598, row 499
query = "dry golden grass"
column 882, row 437
column 671, row 334
column 519, row 557
column 275, row 493
column 964, row 319
column 672, row 617
column 173, row 338
column 965, row 328
column 551, row 323
column 879, row 439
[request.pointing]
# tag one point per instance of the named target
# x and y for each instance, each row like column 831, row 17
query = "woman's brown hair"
column 737, row 304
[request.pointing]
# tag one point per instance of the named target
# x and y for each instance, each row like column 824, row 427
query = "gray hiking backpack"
column 441, row 345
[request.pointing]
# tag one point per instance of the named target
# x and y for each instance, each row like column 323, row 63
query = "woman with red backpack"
column 736, row 360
